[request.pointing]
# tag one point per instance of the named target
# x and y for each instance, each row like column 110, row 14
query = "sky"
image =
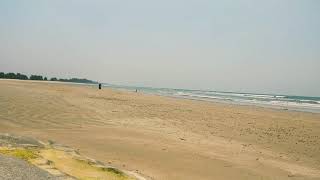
column 259, row 46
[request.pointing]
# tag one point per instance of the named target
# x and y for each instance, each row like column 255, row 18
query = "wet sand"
column 165, row 138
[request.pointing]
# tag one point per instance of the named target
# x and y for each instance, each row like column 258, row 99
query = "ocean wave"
column 310, row 101
column 259, row 98
column 295, row 104
column 283, row 101
column 247, row 95
column 202, row 96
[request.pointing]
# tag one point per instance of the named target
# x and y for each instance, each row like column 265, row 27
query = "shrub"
column 36, row 77
column 10, row 75
column 21, row 76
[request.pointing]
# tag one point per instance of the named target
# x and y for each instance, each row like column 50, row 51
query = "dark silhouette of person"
column 99, row 85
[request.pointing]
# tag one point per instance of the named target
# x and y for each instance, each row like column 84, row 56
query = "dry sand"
column 165, row 138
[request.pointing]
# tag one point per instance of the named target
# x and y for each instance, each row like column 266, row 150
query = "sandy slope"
column 166, row 138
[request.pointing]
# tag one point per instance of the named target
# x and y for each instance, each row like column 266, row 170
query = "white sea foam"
column 282, row 101
column 258, row 99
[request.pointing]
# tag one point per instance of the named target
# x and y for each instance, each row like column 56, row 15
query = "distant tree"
column 77, row 80
column 36, row 77
column 21, row 76
column 10, row 75
column 53, row 79
column 13, row 76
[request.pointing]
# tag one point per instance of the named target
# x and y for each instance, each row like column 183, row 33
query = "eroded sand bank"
column 165, row 138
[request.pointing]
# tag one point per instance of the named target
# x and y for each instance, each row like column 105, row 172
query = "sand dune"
column 165, row 138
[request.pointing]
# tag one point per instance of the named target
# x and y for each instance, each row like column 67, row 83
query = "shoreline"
column 164, row 137
column 227, row 102
column 273, row 107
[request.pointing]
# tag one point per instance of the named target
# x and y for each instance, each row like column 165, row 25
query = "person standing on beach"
column 99, row 85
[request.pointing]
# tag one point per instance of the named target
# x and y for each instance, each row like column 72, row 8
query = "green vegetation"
column 25, row 154
column 36, row 77
column 81, row 168
column 65, row 162
column 113, row 170
column 78, row 80
column 53, row 79
column 11, row 75
column 22, row 76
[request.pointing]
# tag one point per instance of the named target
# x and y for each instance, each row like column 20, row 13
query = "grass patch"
column 113, row 170
column 25, row 154
column 81, row 169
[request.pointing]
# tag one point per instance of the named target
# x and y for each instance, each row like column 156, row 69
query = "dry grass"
column 66, row 163
column 81, row 169
column 25, row 154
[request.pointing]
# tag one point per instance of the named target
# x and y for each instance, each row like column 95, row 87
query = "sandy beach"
column 165, row 138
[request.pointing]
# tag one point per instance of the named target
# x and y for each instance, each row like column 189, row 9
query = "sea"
column 277, row 101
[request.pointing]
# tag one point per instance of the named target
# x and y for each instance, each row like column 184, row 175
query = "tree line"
column 20, row 76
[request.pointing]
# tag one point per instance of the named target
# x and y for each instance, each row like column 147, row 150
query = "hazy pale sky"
column 270, row 46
